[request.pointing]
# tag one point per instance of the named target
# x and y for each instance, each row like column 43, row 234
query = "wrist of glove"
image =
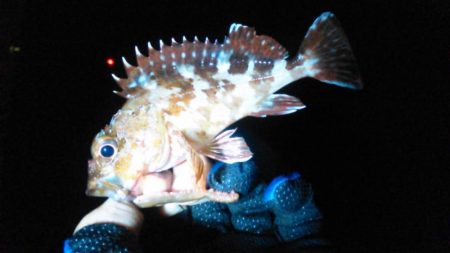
column 111, row 211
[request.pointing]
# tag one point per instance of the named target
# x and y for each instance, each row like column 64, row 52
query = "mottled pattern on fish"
column 206, row 86
column 196, row 89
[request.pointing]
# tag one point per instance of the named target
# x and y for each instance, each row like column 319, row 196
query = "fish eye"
column 107, row 150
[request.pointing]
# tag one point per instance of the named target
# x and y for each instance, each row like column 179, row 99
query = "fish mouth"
column 179, row 185
column 100, row 185
column 172, row 180
column 104, row 188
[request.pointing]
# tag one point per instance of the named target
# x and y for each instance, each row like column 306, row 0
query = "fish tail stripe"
column 325, row 54
column 247, row 46
column 244, row 39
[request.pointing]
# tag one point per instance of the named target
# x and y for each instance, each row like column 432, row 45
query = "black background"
column 377, row 158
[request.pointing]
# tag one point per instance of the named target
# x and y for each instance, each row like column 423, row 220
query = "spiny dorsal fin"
column 203, row 59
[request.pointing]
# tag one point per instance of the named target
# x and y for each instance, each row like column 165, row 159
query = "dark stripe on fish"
column 263, row 65
column 238, row 64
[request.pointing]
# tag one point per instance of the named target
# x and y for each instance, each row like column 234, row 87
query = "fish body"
column 181, row 97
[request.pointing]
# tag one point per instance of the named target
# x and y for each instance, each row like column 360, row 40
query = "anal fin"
column 228, row 149
column 278, row 104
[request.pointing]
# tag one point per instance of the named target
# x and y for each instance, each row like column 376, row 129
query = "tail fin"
column 325, row 54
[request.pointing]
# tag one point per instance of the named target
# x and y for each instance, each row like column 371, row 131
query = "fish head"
column 136, row 143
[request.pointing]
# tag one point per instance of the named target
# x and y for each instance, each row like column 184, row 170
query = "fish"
column 180, row 99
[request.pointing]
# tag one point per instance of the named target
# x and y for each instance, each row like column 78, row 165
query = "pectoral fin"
column 278, row 104
column 228, row 149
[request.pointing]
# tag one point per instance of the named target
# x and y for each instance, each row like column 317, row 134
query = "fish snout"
column 105, row 185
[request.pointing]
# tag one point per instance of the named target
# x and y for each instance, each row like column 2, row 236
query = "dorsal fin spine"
column 136, row 50
column 123, row 83
column 116, row 78
column 121, row 93
column 125, row 63
column 149, row 45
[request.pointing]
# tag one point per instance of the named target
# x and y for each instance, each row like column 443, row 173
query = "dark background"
column 378, row 158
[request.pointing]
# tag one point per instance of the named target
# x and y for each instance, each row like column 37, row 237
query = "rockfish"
column 181, row 97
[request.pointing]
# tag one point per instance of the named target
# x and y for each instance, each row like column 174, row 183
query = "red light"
column 110, row 61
